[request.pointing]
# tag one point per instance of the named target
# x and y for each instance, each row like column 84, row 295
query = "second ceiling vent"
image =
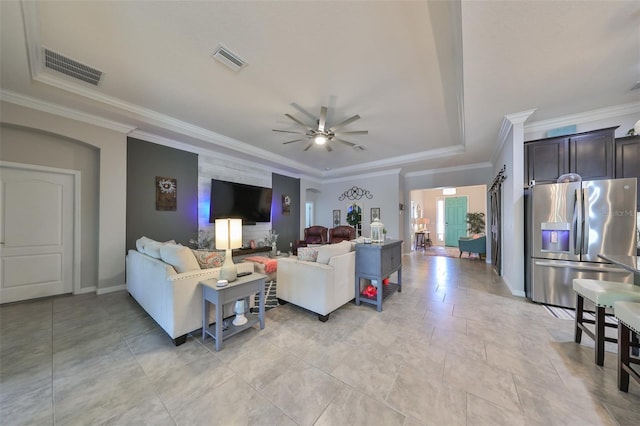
column 228, row 58
column 68, row 66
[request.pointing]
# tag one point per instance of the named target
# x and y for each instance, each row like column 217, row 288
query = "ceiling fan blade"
column 323, row 119
column 326, row 145
column 308, row 146
column 356, row 132
column 296, row 140
column 345, row 122
column 288, row 131
column 305, row 112
column 344, row 142
column 298, row 121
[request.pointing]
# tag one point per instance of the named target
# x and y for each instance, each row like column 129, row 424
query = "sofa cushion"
column 151, row 247
column 308, row 254
column 140, row 242
column 180, row 257
column 326, row 252
column 209, row 259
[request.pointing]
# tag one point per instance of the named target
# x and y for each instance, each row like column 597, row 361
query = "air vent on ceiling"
column 75, row 69
column 227, row 57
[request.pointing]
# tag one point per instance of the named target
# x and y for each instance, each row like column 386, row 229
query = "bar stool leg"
column 600, row 335
column 578, row 321
column 623, row 357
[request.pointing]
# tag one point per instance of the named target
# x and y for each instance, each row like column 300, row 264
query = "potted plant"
column 475, row 223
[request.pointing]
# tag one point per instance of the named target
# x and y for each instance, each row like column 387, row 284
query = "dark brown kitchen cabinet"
column 545, row 160
column 628, row 159
column 589, row 154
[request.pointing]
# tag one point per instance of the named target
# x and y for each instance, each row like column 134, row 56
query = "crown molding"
column 172, row 143
column 401, row 160
column 583, row 117
column 395, row 172
column 508, row 122
column 48, row 107
column 449, row 169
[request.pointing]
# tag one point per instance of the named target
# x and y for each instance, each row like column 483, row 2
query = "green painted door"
column 455, row 215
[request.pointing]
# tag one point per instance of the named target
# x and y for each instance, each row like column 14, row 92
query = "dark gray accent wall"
column 286, row 225
column 145, row 161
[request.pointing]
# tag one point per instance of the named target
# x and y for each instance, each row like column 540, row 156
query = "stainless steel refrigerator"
column 567, row 225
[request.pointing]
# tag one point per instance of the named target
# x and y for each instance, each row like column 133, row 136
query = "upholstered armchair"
column 313, row 235
column 473, row 245
column 341, row 233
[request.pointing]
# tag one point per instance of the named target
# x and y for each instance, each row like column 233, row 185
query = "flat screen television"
column 250, row 203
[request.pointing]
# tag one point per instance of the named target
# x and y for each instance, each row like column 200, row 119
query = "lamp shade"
column 228, row 233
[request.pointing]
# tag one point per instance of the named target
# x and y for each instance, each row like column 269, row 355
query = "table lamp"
column 424, row 221
column 228, row 237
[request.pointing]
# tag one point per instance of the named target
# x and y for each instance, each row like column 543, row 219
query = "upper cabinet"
column 628, row 159
column 589, row 154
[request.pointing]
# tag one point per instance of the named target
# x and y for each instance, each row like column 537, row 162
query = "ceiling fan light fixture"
column 320, row 140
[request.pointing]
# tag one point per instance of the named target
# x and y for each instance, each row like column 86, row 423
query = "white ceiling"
column 431, row 81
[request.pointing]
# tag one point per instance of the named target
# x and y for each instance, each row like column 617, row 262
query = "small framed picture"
column 336, row 218
column 375, row 213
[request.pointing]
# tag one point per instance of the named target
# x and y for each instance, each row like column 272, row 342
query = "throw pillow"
column 140, row 242
column 307, row 254
column 180, row 257
column 209, row 259
column 326, row 252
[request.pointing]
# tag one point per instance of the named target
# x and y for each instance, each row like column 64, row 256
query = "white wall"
column 384, row 189
column 113, row 179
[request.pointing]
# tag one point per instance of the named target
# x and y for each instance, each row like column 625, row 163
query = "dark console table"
column 378, row 261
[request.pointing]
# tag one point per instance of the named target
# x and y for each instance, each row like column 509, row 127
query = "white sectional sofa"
column 173, row 299
column 321, row 286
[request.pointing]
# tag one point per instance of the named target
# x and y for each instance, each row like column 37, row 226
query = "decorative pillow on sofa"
column 180, row 257
column 209, row 259
column 326, row 252
column 307, row 254
column 151, row 247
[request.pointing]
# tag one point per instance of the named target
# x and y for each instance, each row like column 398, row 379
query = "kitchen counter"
column 630, row 263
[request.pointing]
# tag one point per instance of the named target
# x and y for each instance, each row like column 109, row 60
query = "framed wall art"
column 375, row 213
column 286, row 204
column 336, row 218
column 166, row 193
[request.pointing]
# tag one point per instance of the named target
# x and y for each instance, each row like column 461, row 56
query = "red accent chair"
column 312, row 235
column 341, row 233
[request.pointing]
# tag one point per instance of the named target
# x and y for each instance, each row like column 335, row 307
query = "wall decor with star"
column 286, row 204
column 166, row 193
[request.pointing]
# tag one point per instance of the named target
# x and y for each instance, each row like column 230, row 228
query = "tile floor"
column 454, row 348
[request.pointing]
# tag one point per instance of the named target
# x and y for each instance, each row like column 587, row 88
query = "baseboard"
column 85, row 290
column 111, row 289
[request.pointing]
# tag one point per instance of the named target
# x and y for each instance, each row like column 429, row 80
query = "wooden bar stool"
column 628, row 314
column 603, row 294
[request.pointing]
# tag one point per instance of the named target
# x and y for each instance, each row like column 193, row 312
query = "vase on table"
column 274, row 249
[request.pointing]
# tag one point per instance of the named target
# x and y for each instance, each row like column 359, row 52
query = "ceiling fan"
column 321, row 134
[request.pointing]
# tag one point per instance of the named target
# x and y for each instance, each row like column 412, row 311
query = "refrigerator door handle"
column 585, row 215
column 581, row 267
column 577, row 221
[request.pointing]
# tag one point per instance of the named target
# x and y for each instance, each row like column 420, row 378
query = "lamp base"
column 228, row 271
column 240, row 319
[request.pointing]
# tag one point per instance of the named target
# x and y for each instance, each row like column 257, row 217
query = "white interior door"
column 37, row 227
